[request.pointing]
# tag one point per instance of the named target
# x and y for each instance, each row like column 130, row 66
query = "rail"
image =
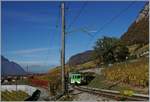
column 113, row 94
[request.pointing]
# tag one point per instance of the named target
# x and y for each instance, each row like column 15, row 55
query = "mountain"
column 80, row 58
column 138, row 32
column 11, row 68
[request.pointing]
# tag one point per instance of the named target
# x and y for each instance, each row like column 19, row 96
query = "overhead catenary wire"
column 77, row 16
column 111, row 20
column 83, row 29
column 115, row 17
column 103, row 26
column 58, row 17
column 51, row 39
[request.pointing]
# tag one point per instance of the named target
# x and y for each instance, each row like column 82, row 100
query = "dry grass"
column 132, row 48
column 133, row 73
column 86, row 65
column 13, row 96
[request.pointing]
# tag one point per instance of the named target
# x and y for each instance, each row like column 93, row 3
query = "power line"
column 58, row 17
column 51, row 39
column 77, row 16
column 112, row 19
column 115, row 17
column 85, row 30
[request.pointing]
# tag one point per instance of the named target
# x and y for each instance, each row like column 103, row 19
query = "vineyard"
column 13, row 95
column 131, row 75
column 135, row 73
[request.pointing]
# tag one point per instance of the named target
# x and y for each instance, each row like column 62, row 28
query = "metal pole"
column 27, row 71
column 27, row 75
column 16, row 83
column 63, row 46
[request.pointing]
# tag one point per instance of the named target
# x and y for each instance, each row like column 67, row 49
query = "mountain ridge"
column 11, row 68
column 80, row 58
column 138, row 31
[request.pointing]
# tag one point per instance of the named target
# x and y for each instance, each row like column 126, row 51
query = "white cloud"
column 36, row 62
column 93, row 31
column 30, row 51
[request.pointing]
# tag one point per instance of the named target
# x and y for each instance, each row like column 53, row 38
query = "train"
column 78, row 78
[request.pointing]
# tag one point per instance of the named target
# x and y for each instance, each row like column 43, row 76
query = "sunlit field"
column 131, row 75
column 13, row 96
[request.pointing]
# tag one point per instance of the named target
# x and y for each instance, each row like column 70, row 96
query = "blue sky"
column 30, row 35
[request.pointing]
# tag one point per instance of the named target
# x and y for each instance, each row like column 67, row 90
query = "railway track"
column 113, row 94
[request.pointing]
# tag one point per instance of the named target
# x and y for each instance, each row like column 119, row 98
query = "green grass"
column 98, row 82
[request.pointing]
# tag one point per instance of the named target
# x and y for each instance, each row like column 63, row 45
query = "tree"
column 120, row 52
column 110, row 50
column 102, row 49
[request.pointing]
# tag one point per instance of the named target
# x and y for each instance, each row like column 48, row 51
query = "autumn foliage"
column 133, row 73
column 40, row 83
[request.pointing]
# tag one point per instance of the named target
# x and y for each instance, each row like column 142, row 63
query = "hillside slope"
column 138, row 32
column 132, row 75
column 80, row 58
